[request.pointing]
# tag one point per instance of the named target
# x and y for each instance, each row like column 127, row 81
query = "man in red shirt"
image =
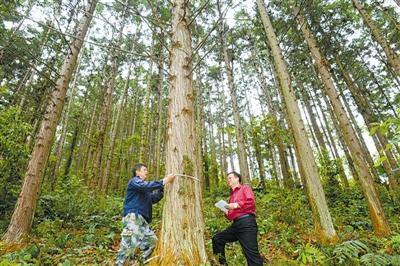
column 242, row 211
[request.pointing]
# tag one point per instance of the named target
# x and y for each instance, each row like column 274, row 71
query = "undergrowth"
column 74, row 226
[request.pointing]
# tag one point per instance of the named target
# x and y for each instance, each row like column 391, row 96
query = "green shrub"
column 13, row 158
column 395, row 243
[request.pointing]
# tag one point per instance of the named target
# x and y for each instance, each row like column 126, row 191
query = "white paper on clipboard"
column 222, row 205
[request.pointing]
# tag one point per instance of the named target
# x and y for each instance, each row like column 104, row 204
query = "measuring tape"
column 189, row 176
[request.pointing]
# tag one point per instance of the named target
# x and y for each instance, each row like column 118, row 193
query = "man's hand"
column 168, row 179
column 232, row 206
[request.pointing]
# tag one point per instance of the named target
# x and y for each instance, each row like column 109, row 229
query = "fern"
column 372, row 259
column 309, row 255
column 395, row 260
column 349, row 250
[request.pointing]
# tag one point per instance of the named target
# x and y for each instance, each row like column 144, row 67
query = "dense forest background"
column 301, row 97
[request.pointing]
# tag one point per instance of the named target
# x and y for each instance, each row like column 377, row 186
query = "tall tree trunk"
column 392, row 57
column 222, row 155
column 310, row 128
column 144, row 141
column 363, row 144
column 241, row 147
column 96, row 175
column 278, row 123
column 321, row 216
column 71, row 152
column 381, row 226
column 230, row 146
column 61, row 141
column 213, row 172
column 21, row 220
column 107, row 171
column 314, row 124
column 366, row 111
column 159, row 118
column 201, row 134
column 339, row 133
column 87, row 145
column 182, row 230
column 221, row 133
column 100, row 133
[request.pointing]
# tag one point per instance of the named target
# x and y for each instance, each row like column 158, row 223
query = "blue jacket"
column 140, row 195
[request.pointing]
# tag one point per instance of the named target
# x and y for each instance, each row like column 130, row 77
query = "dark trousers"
column 243, row 230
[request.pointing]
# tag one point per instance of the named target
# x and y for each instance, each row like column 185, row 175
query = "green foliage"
column 25, row 256
column 391, row 124
column 346, row 252
column 309, row 255
column 395, row 243
column 73, row 226
column 372, row 259
column 13, row 157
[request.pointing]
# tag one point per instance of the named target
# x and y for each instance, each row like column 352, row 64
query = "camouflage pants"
column 136, row 233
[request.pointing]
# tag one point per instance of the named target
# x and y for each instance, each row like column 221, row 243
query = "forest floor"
column 73, row 227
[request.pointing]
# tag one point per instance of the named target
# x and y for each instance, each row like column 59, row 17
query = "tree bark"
column 21, row 220
column 321, row 216
column 182, row 229
column 60, row 144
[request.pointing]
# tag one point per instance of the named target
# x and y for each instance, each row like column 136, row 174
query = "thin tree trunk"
column 100, row 133
column 71, row 152
column 61, row 141
column 160, row 118
column 144, row 144
column 313, row 119
column 21, row 220
column 106, row 173
column 201, row 134
column 363, row 144
column 392, row 57
column 321, row 216
column 241, row 147
column 339, row 134
column 370, row 118
column 87, row 151
column 221, row 130
column 277, row 114
column 310, row 129
column 274, row 166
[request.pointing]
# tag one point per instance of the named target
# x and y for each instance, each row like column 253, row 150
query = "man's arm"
column 246, row 201
column 139, row 184
column 149, row 186
column 157, row 195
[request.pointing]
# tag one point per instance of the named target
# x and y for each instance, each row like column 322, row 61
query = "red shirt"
column 244, row 197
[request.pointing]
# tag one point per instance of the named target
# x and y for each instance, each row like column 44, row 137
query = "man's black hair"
column 236, row 174
column 137, row 167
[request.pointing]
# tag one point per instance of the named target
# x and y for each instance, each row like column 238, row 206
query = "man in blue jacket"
column 137, row 213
